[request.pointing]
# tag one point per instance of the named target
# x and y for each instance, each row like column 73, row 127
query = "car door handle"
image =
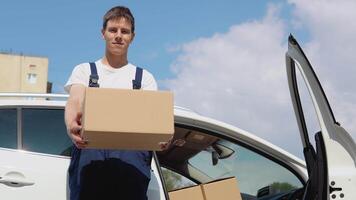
column 15, row 179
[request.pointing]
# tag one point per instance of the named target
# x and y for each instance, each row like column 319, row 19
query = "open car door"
column 332, row 164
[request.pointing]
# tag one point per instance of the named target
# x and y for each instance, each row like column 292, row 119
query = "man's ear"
column 102, row 33
column 133, row 36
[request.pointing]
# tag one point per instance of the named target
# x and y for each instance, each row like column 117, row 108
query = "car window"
column 174, row 180
column 311, row 120
column 253, row 171
column 8, row 128
column 44, row 131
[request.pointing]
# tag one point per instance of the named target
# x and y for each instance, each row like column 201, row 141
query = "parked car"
column 35, row 150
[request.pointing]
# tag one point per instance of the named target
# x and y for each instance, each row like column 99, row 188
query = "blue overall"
column 115, row 174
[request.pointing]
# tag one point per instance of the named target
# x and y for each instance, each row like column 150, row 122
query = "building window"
column 32, row 78
column 32, row 66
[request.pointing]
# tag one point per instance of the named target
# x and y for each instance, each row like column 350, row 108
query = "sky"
column 222, row 59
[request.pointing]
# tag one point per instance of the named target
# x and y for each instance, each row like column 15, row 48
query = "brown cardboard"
column 127, row 119
column 190, row 193
column 226, row 189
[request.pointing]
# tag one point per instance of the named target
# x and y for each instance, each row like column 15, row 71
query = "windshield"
column 252, row 170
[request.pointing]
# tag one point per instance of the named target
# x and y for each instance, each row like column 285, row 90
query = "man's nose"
column 118, row 35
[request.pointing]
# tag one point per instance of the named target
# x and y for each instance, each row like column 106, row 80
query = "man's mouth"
column 118, row 43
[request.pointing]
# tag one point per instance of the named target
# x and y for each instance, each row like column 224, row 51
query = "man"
column 107, row 174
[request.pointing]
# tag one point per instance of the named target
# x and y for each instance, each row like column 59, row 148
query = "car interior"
column 185, row 144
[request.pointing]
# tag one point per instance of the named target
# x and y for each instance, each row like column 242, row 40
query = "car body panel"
column 41, row 172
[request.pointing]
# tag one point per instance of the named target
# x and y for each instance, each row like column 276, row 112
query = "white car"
column 35, row 149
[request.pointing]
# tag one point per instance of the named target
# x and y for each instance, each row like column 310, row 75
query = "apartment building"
column 25, row 74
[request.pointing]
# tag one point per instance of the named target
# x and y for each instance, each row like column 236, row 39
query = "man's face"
column 118, row 35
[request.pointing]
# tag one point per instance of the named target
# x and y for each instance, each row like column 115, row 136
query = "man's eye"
column 124, row 31
column 112, row 30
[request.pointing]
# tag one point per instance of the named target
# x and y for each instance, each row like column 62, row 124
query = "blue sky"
column 222, row 59
column 68, row 32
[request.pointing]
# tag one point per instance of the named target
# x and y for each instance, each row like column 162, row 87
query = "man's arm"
column 73, row 114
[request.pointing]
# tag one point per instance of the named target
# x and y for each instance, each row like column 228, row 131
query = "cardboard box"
column 127, row 119
column 190, row 193
column 226, row 189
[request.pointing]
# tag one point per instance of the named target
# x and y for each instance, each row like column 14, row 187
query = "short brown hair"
column 118, row 12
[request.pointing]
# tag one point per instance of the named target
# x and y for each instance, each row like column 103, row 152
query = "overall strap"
column 136, row 84
column 93, row 78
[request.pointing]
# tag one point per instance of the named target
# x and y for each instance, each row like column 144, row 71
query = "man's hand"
column 73, row 115
column 74, row 132
column 165, row 145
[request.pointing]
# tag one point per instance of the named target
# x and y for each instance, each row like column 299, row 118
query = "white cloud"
column 239, row 76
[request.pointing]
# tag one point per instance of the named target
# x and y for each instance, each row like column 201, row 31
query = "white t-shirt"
column 110, row 77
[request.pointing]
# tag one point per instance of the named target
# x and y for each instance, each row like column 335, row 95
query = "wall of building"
column 20, row 73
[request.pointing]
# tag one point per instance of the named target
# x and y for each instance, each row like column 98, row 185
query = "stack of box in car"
column 226, row 189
